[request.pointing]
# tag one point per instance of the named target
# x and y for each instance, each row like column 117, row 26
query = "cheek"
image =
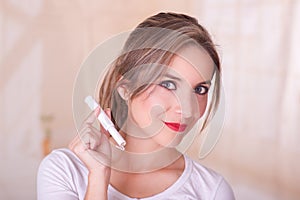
column 202, row 103
column 139, row 113
column 149, row 106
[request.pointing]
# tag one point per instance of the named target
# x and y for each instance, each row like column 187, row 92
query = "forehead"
column 193, row 64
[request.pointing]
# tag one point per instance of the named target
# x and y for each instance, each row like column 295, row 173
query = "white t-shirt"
column 62, row 176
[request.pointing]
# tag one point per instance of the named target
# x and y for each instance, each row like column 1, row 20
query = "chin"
column 175, row 142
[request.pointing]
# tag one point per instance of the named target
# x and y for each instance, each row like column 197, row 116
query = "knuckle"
column 89, row 129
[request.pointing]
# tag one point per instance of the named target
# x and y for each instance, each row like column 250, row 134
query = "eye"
column 201, row 90
column 170, row 85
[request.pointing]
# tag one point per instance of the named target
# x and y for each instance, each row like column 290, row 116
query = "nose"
column 186, row 104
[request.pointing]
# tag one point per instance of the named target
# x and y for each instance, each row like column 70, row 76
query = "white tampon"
column 106, row 123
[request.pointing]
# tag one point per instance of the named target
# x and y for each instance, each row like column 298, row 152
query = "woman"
column 155, row 92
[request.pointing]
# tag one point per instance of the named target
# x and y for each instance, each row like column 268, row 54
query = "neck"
column 142, row 154
column 140, row 161
column 141, row 145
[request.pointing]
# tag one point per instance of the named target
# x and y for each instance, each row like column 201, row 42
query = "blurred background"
column 43, row 43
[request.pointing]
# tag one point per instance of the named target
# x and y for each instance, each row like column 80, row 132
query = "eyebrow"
column 172, row 77
column 208, row 82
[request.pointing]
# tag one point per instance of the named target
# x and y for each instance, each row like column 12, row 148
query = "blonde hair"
column 151, row 45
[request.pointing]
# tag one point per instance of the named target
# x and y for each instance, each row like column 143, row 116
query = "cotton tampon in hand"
column 106, row 123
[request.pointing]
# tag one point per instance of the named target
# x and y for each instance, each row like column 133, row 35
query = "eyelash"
column 164, row 84
column 201, row 92
column 170, row 85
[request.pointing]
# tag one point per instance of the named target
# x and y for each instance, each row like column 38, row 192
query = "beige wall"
column 259, row 146
column 43, row 44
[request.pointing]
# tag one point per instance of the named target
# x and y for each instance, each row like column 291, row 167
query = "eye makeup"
column 170, row 82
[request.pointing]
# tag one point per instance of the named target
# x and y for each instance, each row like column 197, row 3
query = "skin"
column 180, row 97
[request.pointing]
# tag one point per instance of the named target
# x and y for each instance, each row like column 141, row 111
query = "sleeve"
column 224, row 191
column 53, row 181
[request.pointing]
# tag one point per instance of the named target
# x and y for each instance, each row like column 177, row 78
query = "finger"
column 108, row 112
column 91, row 137
column 82, row 137
column 93, row 116
column 105, row 145
column 88, row 139
column 95, row 139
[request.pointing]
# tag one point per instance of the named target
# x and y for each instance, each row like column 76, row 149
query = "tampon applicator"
column 106, row 123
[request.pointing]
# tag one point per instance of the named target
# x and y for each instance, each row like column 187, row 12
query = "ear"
column 123, row 92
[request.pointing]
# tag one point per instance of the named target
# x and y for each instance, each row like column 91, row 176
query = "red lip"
column 176, row 126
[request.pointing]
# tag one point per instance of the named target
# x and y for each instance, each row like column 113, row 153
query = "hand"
column 92, row 146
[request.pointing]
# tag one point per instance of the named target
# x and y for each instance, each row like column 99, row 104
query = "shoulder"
column 60, row 159
column 61, row 170
column 202, row 172
column 213, row 184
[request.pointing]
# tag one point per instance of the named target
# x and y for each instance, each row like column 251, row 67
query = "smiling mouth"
column 176, row 126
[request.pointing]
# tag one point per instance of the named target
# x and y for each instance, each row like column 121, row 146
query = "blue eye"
column 170, row 85
column 201, row 90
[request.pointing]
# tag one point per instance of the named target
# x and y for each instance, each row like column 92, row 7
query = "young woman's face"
column 167, row 110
